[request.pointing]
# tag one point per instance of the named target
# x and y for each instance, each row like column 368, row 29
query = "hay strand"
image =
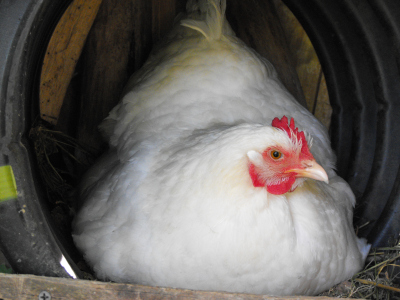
column 383, row 286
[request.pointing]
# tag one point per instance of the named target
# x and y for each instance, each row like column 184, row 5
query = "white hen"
column 185, row 197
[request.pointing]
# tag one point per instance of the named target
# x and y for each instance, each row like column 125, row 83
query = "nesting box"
column 67, row 63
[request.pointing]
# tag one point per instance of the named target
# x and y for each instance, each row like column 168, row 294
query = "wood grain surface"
column 29, row 287
column 62, row 54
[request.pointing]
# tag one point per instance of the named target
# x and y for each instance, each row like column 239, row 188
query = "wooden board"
column 106, row 62
column 30, row 287
column 62, row 54
column 306, row 63
column 122, row 37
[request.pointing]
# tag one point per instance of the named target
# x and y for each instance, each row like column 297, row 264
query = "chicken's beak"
column 311, row 170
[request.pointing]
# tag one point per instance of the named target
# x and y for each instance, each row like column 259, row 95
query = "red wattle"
column 257, row 182
column 275, row 189
column 282, row 188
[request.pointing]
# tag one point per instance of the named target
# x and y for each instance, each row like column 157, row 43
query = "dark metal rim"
column 27, row 236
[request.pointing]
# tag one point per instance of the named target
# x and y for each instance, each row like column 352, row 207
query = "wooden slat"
column 323, row 111
column 62, row 55
column 306, row 63
column 163, row 16
column 29, row 287
column 123, row 34
column 117, row 45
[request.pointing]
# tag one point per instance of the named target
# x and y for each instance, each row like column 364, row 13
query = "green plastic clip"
column 8, row 187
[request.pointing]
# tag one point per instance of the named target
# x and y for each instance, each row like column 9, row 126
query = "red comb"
column 292, row 131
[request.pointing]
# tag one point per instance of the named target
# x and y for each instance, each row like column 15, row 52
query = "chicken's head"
column 281, row 167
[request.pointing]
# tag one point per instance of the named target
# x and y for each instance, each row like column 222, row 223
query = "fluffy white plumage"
column 172, row 203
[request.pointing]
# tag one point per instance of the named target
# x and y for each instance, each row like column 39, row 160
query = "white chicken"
column 204, row 187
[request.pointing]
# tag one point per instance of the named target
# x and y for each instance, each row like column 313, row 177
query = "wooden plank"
column 121, row 39
column 163, row 15
column 258, row 25
column 323, row 111
column 117, row 45
column 29, row 287
column 62, row 54
column 307, row 64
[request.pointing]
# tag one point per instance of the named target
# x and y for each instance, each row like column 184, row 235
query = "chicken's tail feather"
column 364, row 247
column 213, row 17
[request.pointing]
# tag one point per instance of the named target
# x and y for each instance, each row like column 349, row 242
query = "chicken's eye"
column 275, row 154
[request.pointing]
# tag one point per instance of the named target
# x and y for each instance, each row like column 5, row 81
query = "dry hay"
column 59, row 159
